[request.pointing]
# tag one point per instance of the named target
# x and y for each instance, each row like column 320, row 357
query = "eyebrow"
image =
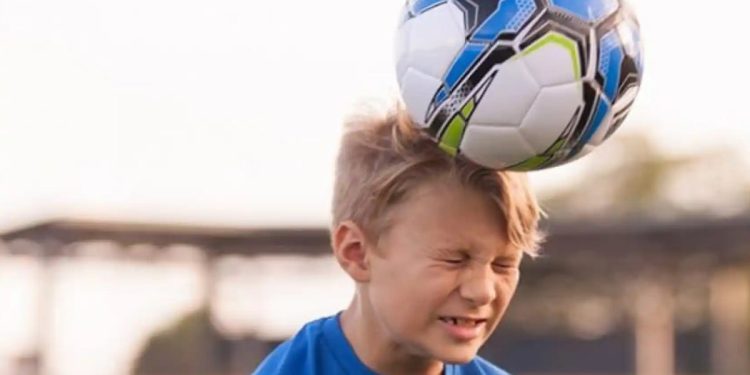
column 510, row 257
column 502, row 255
column 448, row 250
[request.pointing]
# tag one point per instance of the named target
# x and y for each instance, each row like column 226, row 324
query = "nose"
column 478, row 285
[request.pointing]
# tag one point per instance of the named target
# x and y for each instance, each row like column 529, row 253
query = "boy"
column 434, row 246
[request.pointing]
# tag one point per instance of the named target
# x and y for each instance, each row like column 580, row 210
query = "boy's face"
column 444, row 260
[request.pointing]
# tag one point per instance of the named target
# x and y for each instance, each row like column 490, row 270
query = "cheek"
column 432, row 294
column 410, row 295
column 509, row 282
column 442, row 283
column 506, row 289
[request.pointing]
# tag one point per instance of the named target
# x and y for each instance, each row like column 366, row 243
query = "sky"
column 228, row 112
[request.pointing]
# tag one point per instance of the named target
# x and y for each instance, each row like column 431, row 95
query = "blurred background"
column 166, row 170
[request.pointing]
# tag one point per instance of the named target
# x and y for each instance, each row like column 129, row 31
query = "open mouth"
column 462, row 322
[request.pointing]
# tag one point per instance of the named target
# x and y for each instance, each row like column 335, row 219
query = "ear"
column 350, row 249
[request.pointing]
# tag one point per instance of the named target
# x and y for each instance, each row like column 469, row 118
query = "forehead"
column 445, row 214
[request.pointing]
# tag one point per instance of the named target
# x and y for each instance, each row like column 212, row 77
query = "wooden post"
column 208, row 278
column 730, row 311
column 654, row 329
column 35, row 363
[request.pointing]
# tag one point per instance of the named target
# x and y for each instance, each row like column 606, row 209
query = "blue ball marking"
column 601, row 113
column 441, row 95
column 466, row 58
column 510, row 16
column 421, row 6
column 588, row 10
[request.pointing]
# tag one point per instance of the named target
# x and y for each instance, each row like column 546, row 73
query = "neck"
column 376, row 348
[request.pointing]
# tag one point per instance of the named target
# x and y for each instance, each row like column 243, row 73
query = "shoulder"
column 296, row 355
column 488, row 367
column 480, row 366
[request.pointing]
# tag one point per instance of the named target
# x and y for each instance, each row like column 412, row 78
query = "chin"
column 456, row 355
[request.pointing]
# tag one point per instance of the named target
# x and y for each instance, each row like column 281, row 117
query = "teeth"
column 461, row 322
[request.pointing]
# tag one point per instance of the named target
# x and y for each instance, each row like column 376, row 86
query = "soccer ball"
column 518, row 84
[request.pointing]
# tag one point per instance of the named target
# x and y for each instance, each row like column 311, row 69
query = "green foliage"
column 191, row 346
column 631, row 177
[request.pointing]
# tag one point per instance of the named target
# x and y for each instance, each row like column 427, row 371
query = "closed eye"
column 455, row 257
column 504, row 267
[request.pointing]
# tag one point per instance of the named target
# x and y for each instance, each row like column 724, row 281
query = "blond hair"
column 382, row 158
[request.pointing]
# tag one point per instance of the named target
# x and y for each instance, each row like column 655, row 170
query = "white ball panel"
column 458, row 18
column 550, row 114
column 509, row 96
column 436, row 39
column 418, row 89
column 495, row 147
column 402, row 49
column 551, row 65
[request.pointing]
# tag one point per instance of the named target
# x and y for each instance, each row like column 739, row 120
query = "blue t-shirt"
column 320, row 348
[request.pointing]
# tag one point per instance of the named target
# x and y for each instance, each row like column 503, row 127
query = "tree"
column 631, row 177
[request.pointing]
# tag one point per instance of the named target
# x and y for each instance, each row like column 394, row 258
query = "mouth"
column 463, row 329
column 462, row 321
